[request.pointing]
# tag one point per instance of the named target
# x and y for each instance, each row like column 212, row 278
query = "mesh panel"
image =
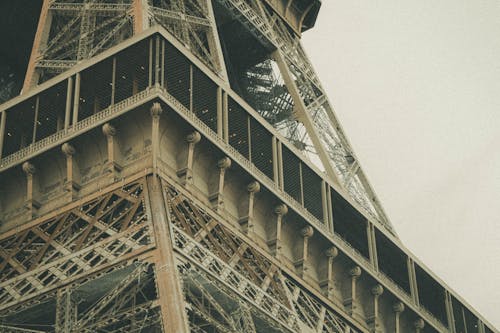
column 205, row 99
column 262, row 148
column 457, row 315
column 470, row 321
column 51, row 110
column 238, row 128
column 95, row 89
column 291, row 174
column 431, row 294
column 349, row 224
column 19, row 126
column 312, row 192
column 177, row 76
column 392, row 261
column 132, row 70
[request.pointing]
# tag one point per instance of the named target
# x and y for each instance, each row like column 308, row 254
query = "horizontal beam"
column 98, row 9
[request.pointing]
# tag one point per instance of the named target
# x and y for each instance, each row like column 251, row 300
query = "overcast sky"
column 416, row 85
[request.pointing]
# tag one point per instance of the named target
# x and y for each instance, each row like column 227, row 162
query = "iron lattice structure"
column 175, row 166
column 283, row 86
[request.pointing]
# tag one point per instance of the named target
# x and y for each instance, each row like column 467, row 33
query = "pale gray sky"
column 416, row 85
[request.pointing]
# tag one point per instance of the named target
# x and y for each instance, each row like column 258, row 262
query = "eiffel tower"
column 175, row 166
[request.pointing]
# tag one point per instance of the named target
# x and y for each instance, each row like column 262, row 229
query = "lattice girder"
column 226, row 260
column 95, row 234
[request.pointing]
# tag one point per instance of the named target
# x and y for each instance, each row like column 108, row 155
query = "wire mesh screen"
column 349, row 224
column 291, row 174
column 132, row 70
column 312, row 192
column 261, row 148
column 465, row 321
column 392, row 261
column 51, row 110
column 205, row 98
column 431, row 294
column 177, row 75
column 95, row 89
column 19, row 126
column 238, row 128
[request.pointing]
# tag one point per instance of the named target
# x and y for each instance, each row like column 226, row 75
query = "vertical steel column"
column 413, row 280
column 140, row 11
column 157, row 68
column 372, row 244
column 76, row 100
column 449, row 312
column 35, row 120
column 275, row 162
column 113, row 82
column 3, row 119
column 225, row 116
column 220, row 117
column 150, row 63
column 67, row 112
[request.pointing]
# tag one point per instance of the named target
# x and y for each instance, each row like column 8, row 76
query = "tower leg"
column 169, row 288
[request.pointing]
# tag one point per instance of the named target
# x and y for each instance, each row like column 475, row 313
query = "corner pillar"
column 171, row 299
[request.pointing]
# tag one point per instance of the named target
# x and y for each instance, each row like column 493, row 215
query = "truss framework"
column 229, row 285
column 312, row 107
column 72, row 31
column 229, row 263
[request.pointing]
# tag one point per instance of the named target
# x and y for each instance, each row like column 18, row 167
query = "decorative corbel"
column 246, row 219
column 112, row 167
column 217, row 196
column 397, row 308
column 31, row 203
column 156, row 112
column 301, row 265
column 373, row 319
column 275, row 242
column 351, row 302
column 186, row 158
column 328, row 284
column 72, row 184
column 419, row 325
